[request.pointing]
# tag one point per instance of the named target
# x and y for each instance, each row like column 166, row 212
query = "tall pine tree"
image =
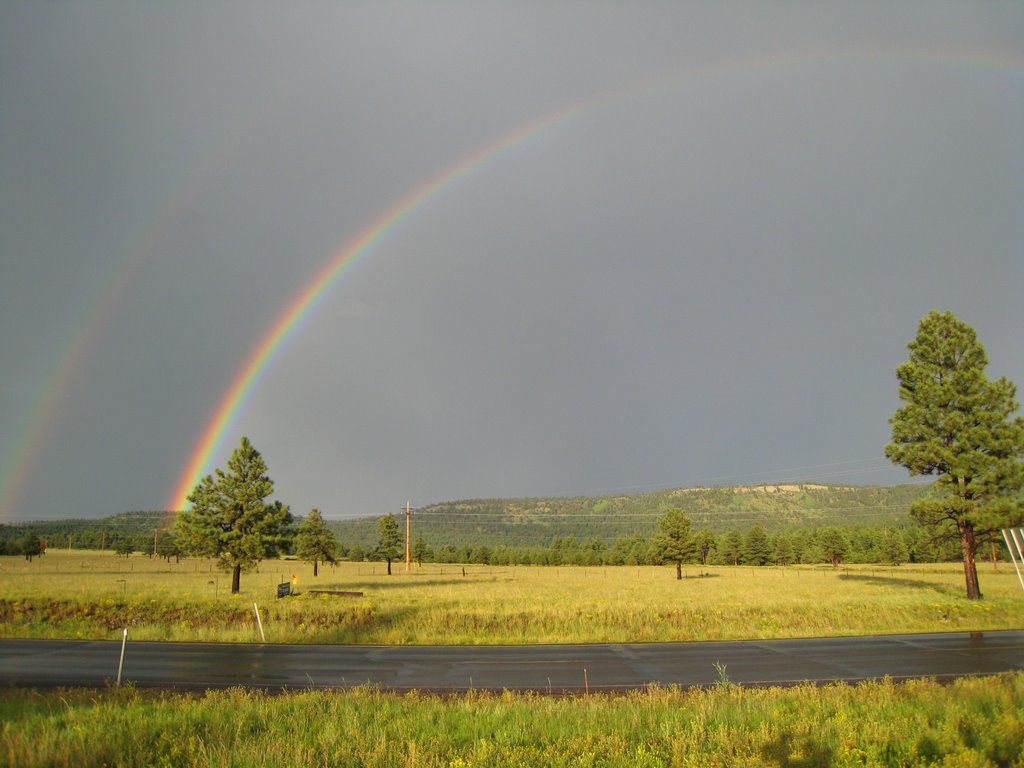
column 674, row 541
column 230, row 519
column 389, row 543
column 959, row 426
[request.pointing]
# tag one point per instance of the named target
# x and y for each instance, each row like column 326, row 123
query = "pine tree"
column 314, row 541
column 420, row 551
column 167, row 546
column 30, row 546
column 959, row 426
column 705, row 542
column 230, row 519
column 674, row 541
column 834, row 545
column 756, row 549
column 389, row 543
column 894, row 550
column 732, row 549
column 783, row 549
column 123, row 545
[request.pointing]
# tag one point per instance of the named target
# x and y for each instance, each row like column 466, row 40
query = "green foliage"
column 526, row 524
column 705, row 543
column 389, row 539
column 230, row 519
column 674, row 542
column 756, row 548
column 894, row 549
column 732, row 548
column 30, row 546
column 420, row 550
column 123, row 545
column 526, row 527
column 93, row 533
column 783, row 553
column 958, row 425
column 314, row 541
column 167, row 545
column 834, row 545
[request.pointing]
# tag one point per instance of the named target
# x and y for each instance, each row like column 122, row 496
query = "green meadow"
column 969, row 723
column 72, row 594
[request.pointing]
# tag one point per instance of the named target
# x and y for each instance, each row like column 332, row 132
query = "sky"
column 580, row 248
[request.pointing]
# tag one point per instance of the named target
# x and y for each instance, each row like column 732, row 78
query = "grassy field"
column 972, row 722
column 90, row 595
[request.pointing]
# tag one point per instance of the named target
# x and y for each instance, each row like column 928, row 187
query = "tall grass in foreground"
column 972, row 722
column 80, row 595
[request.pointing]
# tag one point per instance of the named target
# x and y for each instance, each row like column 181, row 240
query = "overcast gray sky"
column 706, row 275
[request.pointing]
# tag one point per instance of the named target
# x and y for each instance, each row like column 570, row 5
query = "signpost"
column 283, row 590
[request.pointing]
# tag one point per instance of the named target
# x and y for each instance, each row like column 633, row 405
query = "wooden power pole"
column 408, row 537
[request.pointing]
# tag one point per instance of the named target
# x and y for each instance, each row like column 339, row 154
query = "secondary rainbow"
column 307, row 300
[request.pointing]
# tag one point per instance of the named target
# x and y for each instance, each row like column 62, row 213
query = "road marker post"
column 120, row 664
column 1010, row 535
column 259, row 623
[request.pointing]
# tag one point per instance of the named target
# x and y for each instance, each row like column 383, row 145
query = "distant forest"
column 535, row 522
column 765, row 524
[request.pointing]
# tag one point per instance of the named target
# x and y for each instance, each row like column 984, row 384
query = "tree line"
column 753, row 546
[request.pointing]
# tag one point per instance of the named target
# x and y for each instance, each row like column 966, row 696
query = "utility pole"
column 155, row 530
column 408, row 537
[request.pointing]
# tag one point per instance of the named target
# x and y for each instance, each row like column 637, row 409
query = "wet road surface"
column 545, row 668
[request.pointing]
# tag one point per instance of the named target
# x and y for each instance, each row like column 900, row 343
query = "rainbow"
column 307, row 300
column 43, row 418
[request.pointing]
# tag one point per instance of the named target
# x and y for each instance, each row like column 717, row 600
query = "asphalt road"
column 554, row 668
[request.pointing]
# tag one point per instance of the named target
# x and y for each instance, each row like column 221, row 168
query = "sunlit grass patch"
column 94, row 595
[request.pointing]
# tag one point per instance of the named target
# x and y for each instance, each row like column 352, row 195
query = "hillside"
column 95, row 533
column 535, row 522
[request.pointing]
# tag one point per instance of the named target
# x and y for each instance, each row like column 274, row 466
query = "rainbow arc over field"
column 306, row 301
